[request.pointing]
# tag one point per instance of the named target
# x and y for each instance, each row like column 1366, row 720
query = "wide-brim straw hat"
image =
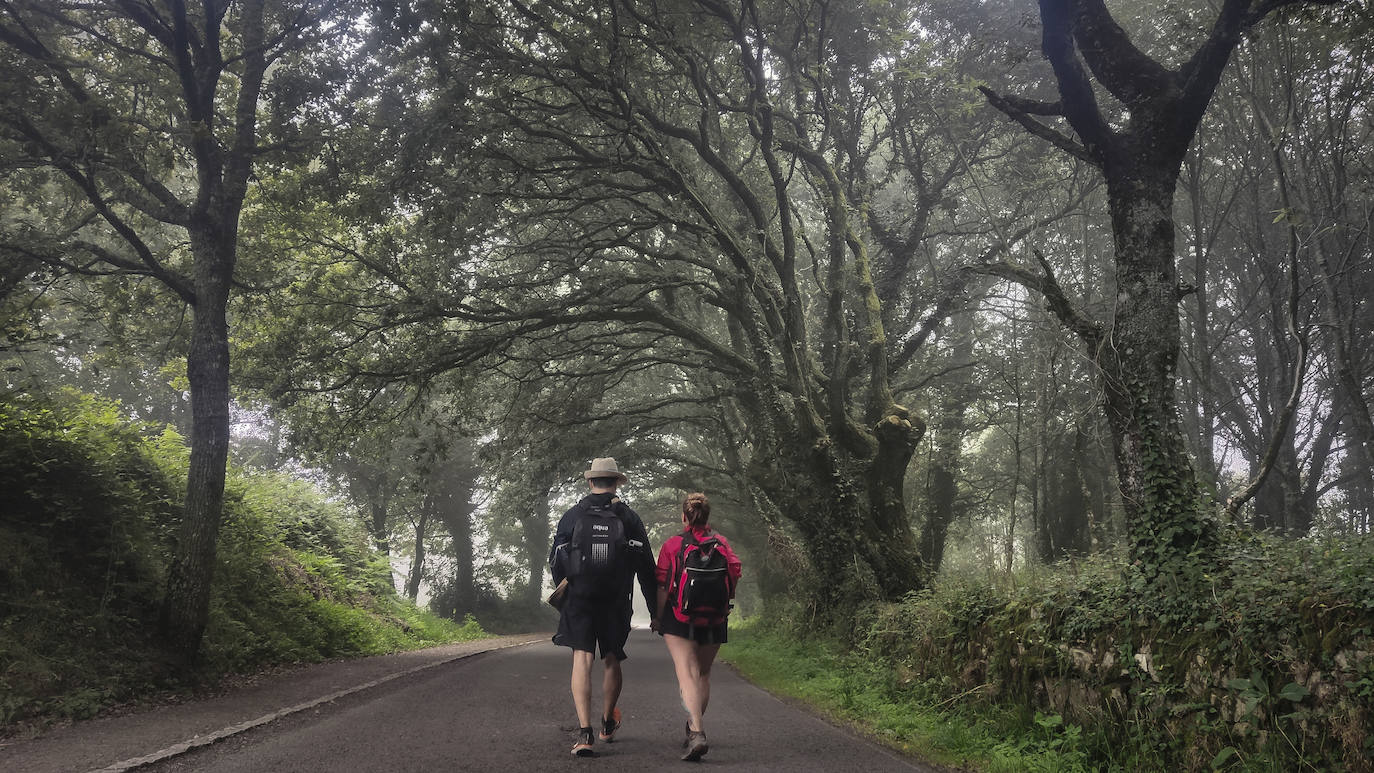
column 605, row 467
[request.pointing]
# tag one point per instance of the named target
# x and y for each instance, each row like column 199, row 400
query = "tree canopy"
column 890, row 279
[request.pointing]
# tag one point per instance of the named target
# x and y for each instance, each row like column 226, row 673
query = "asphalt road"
column 511, row 710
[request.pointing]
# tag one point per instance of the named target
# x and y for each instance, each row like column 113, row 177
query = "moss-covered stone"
column 1277, row 660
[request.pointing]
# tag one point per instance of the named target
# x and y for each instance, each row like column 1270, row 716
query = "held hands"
column 653, row 625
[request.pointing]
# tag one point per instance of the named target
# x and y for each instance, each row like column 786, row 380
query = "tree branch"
column 1020, row 111
column 1124, row 70
column 1075, row 87
column 1045, row 283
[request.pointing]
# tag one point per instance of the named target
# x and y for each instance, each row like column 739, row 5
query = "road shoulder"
column 130, row 740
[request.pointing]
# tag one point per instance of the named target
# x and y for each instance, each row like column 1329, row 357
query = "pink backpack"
column 702, row 587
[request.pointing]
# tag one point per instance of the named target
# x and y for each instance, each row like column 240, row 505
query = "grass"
column 899, row 713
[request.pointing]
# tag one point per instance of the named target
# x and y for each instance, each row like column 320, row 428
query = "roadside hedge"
column 89, row 504
column 1273, row 670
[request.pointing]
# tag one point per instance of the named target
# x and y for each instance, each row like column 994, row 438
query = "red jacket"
column 667, row 557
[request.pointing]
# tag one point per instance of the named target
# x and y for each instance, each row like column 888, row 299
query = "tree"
column 145, row 118
column 1261, row 331
column 722, row 197
column 1303, row 106
column 1139, row 148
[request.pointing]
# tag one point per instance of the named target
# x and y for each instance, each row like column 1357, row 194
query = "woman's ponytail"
column 696, row 510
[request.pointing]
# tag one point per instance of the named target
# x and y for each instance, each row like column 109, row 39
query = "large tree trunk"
column 856, row 536
column 895, row 556
column 828, row 521
column 534, row 527
column 458, row 520
column 186, row 604
column 453, row 486
column 1165, row 520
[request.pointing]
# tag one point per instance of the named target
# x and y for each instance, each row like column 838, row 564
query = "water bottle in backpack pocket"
column 703, row 583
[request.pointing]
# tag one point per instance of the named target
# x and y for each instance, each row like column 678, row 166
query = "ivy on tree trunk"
column 1139, row 151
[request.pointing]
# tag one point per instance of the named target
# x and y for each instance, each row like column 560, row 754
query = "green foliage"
column 498, row 614
column 903, row 712
column 85, row 513
column 89, row 503
column 1276, row 673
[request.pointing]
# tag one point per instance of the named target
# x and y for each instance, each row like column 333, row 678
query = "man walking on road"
column 600, row 547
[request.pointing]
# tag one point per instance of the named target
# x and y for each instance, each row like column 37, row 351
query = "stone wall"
column 1226, row 686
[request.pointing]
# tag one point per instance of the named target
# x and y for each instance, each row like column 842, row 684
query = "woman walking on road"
column 697, row 572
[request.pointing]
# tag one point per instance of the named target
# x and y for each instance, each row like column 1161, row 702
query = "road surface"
column 511, row 710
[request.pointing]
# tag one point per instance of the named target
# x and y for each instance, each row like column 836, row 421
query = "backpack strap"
column 619, row 513
column 677, row 562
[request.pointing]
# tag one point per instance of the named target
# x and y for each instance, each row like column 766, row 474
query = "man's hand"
column 653, row 624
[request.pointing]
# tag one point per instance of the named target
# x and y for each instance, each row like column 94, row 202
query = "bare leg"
column 688, row 668
column 611, row 681
column 582, row 686
column 706, row 655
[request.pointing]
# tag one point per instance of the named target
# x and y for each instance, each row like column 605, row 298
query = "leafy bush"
column 89, row 504
column 496, row 614
column 1275, row 669
column 85, row 511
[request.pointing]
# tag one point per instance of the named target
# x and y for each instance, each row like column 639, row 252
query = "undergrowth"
column 903, row 713
column 89, row 504
column 1067, row 668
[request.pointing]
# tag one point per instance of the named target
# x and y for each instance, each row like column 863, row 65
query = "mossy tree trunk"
column 851, row 519
column 1137, row 361
column 1139, row 145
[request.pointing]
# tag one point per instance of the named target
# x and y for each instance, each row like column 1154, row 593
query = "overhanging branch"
column 1021, row 110
column 1045, row 283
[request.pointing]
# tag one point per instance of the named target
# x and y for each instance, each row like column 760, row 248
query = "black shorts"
column 701, row 634
column 599, row 626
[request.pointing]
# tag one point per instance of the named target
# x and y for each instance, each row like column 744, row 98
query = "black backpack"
column 596, row 554
column 702, row 595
